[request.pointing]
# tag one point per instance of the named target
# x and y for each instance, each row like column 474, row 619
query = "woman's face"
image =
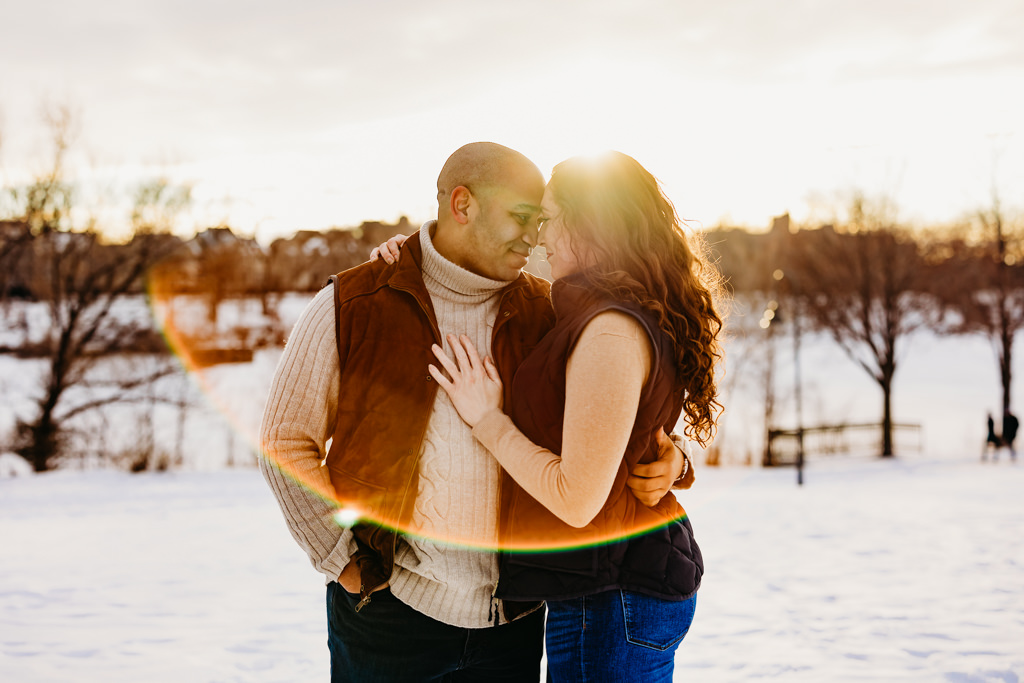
column 561, row 256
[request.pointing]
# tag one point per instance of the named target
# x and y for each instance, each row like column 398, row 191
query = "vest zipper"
column 492, row 609
column 366, row 601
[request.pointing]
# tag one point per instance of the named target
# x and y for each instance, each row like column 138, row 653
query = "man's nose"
column 530, row 235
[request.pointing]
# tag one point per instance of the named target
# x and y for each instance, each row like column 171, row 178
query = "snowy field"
column 873, row 571
column 898, row 570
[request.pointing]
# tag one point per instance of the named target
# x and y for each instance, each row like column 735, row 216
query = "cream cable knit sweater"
column 458, row 484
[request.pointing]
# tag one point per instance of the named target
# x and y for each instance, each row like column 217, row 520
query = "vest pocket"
column 655, row 623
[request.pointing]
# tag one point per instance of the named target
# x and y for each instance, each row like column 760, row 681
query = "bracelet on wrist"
column 682, row 475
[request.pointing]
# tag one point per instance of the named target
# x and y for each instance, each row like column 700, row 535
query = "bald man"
column 409, row 559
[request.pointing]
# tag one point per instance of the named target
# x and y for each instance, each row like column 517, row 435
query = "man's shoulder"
column 363, row 279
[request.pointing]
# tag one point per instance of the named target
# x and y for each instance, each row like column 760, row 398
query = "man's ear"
column 460, row 203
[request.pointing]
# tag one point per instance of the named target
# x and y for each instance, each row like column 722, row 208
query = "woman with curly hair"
column 634, row 349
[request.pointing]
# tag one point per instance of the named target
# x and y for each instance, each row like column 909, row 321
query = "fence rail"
column 842, row 439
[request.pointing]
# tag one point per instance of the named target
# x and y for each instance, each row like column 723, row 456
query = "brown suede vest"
column 385, row 325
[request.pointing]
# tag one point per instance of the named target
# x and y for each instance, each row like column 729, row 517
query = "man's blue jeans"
column 389, row 641
column 615, row 636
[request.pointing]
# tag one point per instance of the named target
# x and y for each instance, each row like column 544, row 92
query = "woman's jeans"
column 615, row 636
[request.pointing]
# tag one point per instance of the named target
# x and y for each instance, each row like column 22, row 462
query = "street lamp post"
column 798, row 394
column 780, row 277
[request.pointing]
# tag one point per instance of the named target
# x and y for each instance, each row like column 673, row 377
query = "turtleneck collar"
column 444, row 278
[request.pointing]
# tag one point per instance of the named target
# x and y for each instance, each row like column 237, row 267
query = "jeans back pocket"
column 656, row 623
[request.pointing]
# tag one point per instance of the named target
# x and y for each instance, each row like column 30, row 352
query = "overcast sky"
column 305, row 115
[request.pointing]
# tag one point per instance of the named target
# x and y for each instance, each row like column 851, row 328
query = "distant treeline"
column 216, row 262
column 219, row 263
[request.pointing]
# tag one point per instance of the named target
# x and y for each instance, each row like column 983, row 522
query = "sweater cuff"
column 334, row 564
column 687, row 477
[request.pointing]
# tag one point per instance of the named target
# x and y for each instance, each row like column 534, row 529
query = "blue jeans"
column 389, row 641
column 615, row 636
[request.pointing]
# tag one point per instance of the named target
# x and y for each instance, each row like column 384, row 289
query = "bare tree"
column 865, row 284
column 982, row 280
column 81, row 279
column 158, row 203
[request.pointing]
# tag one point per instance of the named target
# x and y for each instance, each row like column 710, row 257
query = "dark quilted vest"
column 663, row 560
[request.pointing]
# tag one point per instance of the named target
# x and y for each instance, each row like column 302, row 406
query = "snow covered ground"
column 907, row 570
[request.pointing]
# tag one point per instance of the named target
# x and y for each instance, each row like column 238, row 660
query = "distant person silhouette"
column 992, row 441
column 1010, row 425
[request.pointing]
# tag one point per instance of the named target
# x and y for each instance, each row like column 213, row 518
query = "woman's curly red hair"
column 616, row 211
